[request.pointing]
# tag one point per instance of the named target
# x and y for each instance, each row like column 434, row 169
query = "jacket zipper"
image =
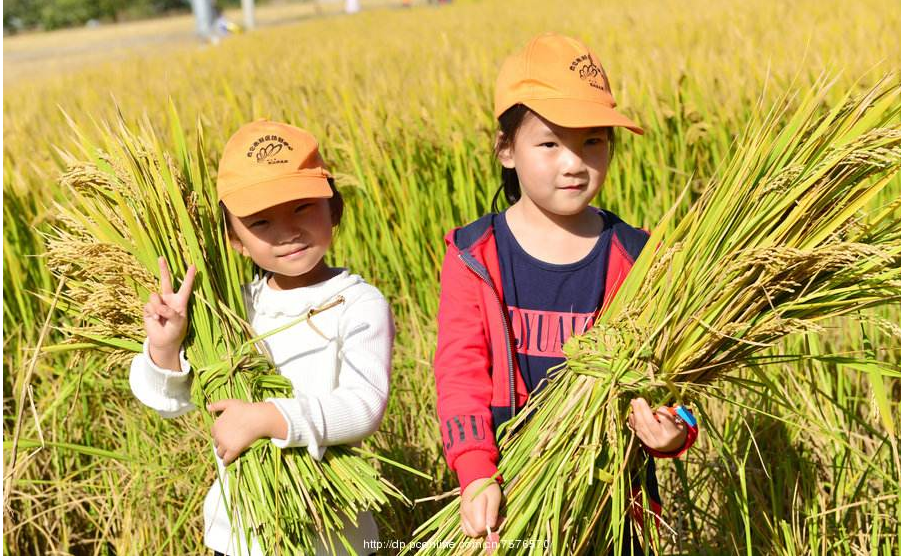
column 497, row 298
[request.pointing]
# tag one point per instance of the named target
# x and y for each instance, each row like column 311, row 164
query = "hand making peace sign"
column 166, row 313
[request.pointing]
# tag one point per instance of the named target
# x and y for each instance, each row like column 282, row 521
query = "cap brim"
column 261, row 196
column 568, row 112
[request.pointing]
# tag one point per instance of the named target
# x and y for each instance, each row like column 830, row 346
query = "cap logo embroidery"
column 271, row 149
column 589, row 71
column 269, row 146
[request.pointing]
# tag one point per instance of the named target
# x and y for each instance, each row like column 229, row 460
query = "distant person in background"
column 222, row 27
column 212, row 25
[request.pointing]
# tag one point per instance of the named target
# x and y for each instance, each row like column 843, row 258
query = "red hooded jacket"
column 476, row 372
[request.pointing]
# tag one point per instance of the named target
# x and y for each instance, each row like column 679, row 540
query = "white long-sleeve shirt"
column 339, row 368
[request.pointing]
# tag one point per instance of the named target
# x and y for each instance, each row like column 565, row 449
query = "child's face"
column 289, row 239
column 560, row 169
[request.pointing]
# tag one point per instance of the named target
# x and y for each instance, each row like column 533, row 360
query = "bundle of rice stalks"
column 777, row 244
column 128, row 204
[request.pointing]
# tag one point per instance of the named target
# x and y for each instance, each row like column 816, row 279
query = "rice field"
column 794, row 459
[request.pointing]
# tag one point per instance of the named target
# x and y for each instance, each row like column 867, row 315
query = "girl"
column 281, row 206
column 516, row 284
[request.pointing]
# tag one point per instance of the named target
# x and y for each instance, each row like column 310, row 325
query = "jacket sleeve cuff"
column 472, row 465
column 170, row 383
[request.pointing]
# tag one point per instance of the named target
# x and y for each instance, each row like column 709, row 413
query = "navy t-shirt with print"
column 547, row 302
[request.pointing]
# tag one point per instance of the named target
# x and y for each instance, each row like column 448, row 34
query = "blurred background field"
column 35, row 55
column 796, row 461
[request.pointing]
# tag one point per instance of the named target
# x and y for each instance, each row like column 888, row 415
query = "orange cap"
column 268, row 163
column 562, row 80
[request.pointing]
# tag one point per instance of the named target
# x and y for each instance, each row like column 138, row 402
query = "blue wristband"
column 686, row 416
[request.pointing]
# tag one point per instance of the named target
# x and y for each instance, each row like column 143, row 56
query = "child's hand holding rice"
column 166, row 317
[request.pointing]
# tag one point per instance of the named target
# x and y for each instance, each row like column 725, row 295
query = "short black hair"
column 335, row 203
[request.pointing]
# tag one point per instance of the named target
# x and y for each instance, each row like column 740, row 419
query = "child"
column 281, row 205
column 516, row 284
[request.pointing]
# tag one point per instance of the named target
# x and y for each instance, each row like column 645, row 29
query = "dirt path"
column 42, row 55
